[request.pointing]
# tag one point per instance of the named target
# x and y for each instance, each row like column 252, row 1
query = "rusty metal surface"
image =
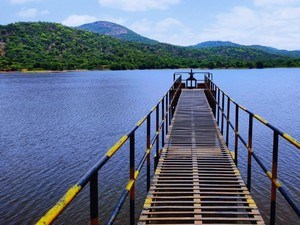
column 196, row 181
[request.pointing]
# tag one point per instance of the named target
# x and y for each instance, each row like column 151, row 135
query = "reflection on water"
column 55, row 126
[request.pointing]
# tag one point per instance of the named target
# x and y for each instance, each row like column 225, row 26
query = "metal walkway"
column 196, row 180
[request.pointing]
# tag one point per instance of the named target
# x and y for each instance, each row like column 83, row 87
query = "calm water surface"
column 53, row 127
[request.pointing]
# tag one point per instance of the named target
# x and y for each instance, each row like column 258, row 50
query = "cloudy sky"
column 273, row 23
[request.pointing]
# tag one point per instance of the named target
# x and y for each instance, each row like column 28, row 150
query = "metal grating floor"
column 196, row 180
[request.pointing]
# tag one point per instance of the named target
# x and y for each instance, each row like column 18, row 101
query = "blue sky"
column 273, row 23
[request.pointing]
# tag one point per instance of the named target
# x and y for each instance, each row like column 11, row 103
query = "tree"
column 259, row 65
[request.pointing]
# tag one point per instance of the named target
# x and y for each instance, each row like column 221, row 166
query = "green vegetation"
column 274, row 51
column 51, row 46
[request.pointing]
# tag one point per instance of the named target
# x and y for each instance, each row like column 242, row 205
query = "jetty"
column 196, row 178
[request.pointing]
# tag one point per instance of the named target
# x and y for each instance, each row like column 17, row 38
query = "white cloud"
column 142, row 27
column 76, row 20
column 32, row 12
column 145, row 26
column 138, row 5
column 269, row 22
column 28, row 13
column 276, row 26
column 169, row 30
column 44, row 12
column 167, row 24
column 117, row 20
column 23, row 1
column 274, row 2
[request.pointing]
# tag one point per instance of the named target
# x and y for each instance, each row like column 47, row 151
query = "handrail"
column 218, row 97
column 183, row 74
column 170, row 101
column 286, row 136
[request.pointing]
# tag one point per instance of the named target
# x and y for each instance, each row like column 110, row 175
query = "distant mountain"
column 271, row 50
column 52, row 46
column 116, row 31
column 277, row 51
column 123, row 33
column 212, row 44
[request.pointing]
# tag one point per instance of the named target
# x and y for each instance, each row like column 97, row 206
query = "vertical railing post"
column 163, row 122
column 274, row 179
column 222, row 112
column 250, row 132
column 148, row 148
column 94, row 199
column 131, row 174
column 175, row 99
column 157, row 137
column 228, row 118
column 218, row 111
column 167, row 113
column 170, row 106
column 236, row 136
column 214, row 100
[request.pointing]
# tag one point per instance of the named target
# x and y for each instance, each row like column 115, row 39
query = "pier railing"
column 227, row 114
column 222, row 105
column 192, row 79
column 163, row 113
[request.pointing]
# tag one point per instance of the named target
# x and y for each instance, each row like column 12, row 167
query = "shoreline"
column 25, row 71
column 42, row 71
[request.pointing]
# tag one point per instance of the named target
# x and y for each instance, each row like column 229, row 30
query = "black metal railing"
column 164, row 111
column 192, row 79
column 222, row 115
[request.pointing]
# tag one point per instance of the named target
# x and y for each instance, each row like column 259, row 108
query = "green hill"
column 116, row 30
column 210, row 44
column 52, row 46
column 295, row 54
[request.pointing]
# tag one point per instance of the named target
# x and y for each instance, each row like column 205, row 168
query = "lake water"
column 55, row 126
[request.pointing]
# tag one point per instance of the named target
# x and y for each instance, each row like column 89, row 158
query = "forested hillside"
column 275, row 51
column 51, row 46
